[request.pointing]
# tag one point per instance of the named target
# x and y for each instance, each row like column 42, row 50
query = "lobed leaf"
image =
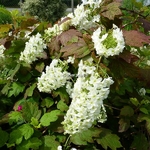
column 85, row 137
column 49, row 117
column 30, row 110
column 49, row 143
column 111, row 10
column 109, row 140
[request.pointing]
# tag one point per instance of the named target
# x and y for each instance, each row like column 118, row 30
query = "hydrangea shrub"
column 81, row 84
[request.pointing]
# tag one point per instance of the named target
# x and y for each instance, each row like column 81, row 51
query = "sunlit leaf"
column 49, row 117
column 62, row 106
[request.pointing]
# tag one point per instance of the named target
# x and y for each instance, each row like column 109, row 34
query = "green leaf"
column 134, row 101
column 15, row 138
column 62, row 106
column 50, row 143
column 15, row 117
column 32, row 143
column 26, row 131
column 107, row 139
column 16, row 89
column 49, row 117
column 111, row 10
column 62, row 93
column 124, row 124
column 85, row 136
column 29, row 110
column 144, row 110
column 34, row 122
column 140, row 142
column 127, row 111
column 4, row 137
column 47, row 102
column 29, row 91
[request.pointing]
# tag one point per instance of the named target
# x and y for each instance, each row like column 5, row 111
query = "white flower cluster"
column 85, row 18
column 95, row 3
column 34, row 49
column 2, row 49
column 56, row 30
column 108, row 49
column 55, row 77
column 88, row 94
column 52, row 32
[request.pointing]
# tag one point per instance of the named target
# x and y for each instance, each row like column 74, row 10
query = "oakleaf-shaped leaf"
column 50, row 143
column 78, row 49
column 140, row 142
column 32, row 143
column 111, row 10
column 85, row 136
column 14, row 117
column 135, row 38
column 69, row 35
column 26, row 131
column 30, row 110
column 109, row 140
column 49, row 117
column 15, row 137
column 62, row 106
column 16, row 89
column 4, row 137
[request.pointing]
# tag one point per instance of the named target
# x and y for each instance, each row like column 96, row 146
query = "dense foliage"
column 9, row 3
column 82, row 83
column 45, row 10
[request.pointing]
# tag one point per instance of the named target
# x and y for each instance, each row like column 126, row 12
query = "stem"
column 67, row 141
column 134, row 12
column 111, row 107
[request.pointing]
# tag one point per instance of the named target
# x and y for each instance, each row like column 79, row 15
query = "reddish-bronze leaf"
column 128, row 57
column 78, row 49
column 54, row 45
column 135, row 38
column 66, row 36
column 146, row 24
column 111, row 10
